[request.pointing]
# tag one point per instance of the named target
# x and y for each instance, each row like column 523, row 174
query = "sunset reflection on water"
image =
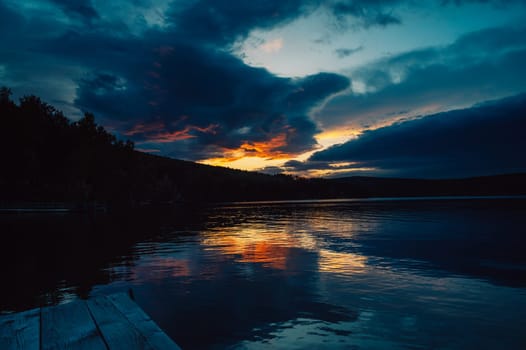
column 443, row 274
column 251, row 245
column 271, row 245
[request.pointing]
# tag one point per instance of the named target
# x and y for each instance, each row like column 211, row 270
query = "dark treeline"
column 48, row 158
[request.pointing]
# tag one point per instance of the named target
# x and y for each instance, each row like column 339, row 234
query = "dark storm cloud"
column 210, row 98
column 9, row 20
column 495, row 2
column 328, row 168
column 492, row 41
column 296, row 165
column 315, row 88
column 179, row 89
column 382, row 13
column 483, row 140
column 173, row 84
column 368, row 13
column 81, row 8
column 478, row 66
column 111, row 97
column 223, row 21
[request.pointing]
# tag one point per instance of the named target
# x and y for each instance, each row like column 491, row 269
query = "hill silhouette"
column 48, row 158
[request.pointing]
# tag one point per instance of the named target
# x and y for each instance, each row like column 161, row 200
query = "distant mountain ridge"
column 47, row 158
column 503, row 184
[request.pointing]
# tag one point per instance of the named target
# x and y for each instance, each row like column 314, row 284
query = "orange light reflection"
column 341, row 263
column 274, row 249
column 253, row 246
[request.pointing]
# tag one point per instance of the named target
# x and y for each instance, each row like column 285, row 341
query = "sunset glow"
column 280, row 87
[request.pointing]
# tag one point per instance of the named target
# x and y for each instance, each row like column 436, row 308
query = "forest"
column 48, row 158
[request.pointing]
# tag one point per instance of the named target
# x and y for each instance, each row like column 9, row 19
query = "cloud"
column 346, row 52
column 221, row 22
column 82, row 8
column 186, row 89
column 179, row 76
column 272, row 46
column 494, row 2
column 478, row 66
column 382, row 13
column 168, row 64
column 112, row 98
column 322, row 168
column 366, row 13
column 482, row 140
column 9, row 21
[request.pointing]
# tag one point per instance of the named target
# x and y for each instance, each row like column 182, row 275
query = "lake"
column 359, row 274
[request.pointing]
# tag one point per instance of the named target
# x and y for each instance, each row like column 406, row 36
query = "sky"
column 431, row 88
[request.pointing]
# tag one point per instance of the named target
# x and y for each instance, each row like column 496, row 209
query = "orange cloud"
column 268, row 150
column 168, row 136
column 210, row 129
column 144, row 128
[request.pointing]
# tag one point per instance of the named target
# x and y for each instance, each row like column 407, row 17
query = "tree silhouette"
column 46, row 157
column 5, row 95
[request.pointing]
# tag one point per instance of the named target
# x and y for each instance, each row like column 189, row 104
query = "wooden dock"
column 105, row 322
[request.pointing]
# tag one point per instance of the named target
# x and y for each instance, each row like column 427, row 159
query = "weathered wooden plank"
column 145, row 325
column 117, row 331
column 20, row 331
column 69, row 326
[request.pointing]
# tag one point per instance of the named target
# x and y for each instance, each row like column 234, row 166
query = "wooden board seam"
column 97, row 325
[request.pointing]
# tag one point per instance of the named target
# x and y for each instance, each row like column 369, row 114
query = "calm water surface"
column 421, row 274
